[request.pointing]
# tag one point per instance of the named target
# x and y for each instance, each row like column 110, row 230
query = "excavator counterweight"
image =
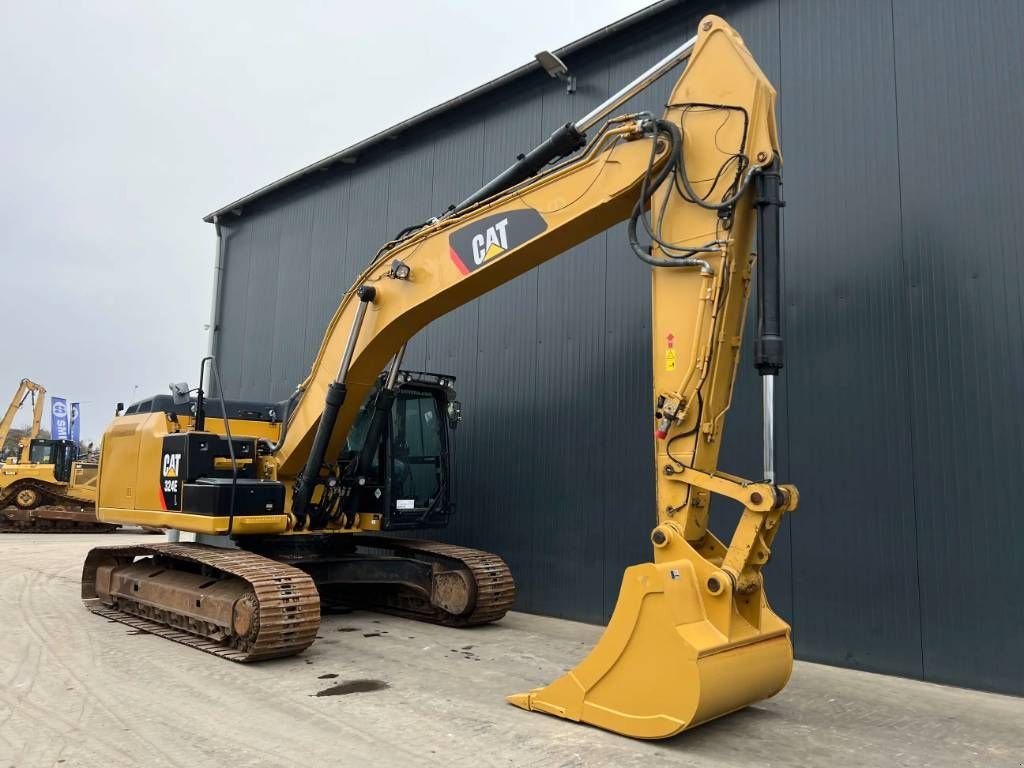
column 304, row 490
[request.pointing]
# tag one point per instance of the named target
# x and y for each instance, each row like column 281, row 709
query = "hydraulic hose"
column 647, row 190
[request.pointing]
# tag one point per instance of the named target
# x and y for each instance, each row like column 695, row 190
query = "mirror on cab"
column 454, row 413
column 179, row 392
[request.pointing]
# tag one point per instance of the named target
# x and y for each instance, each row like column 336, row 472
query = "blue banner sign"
column 59, row 418
column 76, row 422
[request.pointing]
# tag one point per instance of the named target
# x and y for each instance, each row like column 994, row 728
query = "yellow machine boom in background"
column 26, row 388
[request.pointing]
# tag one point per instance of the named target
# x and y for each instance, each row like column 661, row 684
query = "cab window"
column 41, row 453
column 416, row 450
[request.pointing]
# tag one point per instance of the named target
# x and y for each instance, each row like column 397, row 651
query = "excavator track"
column 495, row 589
column 45, row 490
column 60, row 514
column 281, row 603
column 36, row 522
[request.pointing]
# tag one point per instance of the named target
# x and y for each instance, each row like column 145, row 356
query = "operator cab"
column 417, row 449
column 60, row 453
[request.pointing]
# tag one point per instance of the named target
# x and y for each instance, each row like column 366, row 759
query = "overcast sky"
column 123, row 123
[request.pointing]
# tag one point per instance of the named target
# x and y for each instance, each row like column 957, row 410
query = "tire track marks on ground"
column 89, row 693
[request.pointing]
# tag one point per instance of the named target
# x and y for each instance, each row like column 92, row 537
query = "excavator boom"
column 453, row 262
column 37, row 413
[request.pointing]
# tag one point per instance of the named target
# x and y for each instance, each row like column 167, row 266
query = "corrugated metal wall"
column 901, row 404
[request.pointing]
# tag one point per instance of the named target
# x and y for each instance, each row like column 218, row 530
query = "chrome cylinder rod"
column 393, row 373
column 624, row 94
column 768, row 413
column 366, row 295
column 571, row 136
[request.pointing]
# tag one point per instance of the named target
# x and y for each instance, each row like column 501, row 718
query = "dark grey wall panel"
column 897, row 412
column 261, row 301
column 232, row 333
column 368, row 220
column 960, row 104
column 329, row 276
column 289, row 358
column 845, row 322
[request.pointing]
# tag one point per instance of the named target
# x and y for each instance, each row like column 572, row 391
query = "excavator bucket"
column 692, row 636
column 661, row 666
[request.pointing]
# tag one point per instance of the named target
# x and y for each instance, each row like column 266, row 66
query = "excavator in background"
column 293, row 504
column 45, row 489
column 26, row 389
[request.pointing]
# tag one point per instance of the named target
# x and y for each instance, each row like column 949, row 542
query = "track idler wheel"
column 28, row 498
column 245, row 621
column 664, row 664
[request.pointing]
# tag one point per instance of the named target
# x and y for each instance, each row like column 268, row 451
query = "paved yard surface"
column 76, row 690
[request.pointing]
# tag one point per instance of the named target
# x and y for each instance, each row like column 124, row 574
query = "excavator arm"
column 25, row 389
column 37, row 410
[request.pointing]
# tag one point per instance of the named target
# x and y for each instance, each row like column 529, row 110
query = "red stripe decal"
column 160, row 493
column 458, row 261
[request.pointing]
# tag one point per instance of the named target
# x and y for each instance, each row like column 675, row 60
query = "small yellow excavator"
column 26, row 389
column 291, row 503
column 46, row 489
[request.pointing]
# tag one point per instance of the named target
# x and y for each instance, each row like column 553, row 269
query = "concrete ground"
column 76, row 690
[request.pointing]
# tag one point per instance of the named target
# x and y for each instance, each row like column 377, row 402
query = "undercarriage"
column 264, row 601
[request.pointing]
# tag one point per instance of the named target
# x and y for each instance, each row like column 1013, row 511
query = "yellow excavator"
column 26, row 389
column 45, row 489
column 292, row 503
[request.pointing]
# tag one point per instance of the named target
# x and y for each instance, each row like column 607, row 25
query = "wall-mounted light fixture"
column 556, row 68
